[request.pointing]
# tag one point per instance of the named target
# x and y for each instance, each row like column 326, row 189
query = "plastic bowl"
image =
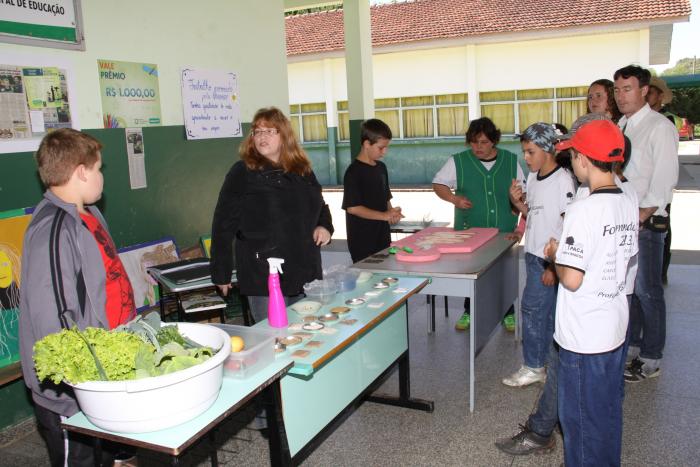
column 306, row 307
column 364, row 276
column 151, row 404
column 322, row 291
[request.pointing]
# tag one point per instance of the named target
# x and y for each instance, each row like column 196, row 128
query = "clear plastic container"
column 323, row 291
column 344, row 277
column 259, row 350
column 347, row 280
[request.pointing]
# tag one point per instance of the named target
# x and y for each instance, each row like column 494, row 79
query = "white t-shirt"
column 547, row 199
column 599, row 237
column 627, row 190
column 447, row 175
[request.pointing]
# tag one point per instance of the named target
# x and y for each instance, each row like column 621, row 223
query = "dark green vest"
column 487, row 190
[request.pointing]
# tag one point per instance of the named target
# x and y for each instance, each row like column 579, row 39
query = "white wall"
column 569, row 61
column 572, row 61
column 246, row 36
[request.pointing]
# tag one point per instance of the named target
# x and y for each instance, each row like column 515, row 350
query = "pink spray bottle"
column 276, row 309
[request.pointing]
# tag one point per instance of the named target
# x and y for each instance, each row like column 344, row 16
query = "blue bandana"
column 543, row 135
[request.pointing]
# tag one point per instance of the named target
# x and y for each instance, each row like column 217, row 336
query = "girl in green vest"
column 481, row 178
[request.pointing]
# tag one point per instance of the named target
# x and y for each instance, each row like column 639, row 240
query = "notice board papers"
column 210, row 104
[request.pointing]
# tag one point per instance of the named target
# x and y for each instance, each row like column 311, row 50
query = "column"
column 331, row 119
column 358, row 67
column 472, row 84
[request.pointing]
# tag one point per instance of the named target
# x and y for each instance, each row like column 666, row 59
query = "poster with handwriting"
column 210, row 104
column 130, row 94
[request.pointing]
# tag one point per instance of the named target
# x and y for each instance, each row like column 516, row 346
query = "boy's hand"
column 397, row 215
column 461, row 202
column 394, row 215
column 515, row 192
column 549, row 278
column 514, row 236
column 550, row 250
column 321, row 236
column 224, row 288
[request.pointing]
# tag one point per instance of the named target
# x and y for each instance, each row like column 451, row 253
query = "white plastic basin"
column 151, row 404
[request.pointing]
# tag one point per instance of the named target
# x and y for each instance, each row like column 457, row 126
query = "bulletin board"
column 36, row 96
column 57, row 24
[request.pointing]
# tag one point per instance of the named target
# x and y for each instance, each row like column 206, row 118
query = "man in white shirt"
column 653, row 173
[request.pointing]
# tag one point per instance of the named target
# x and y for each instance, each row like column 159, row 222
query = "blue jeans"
column 590, row 406
column 537, row 306
column 648, row 308
column 546, row 416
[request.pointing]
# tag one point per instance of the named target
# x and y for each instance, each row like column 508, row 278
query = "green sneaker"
column 463, row 322
column 509, row 322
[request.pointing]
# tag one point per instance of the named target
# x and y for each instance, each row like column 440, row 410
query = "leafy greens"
column 139, row 349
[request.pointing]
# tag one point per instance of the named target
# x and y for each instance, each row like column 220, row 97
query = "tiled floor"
column 661, row 416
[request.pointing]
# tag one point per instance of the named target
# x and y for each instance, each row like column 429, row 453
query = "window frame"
column 299, row 114
column 401, row 107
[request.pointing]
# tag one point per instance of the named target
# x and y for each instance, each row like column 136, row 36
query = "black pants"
column 80, row 447
column 667, row 247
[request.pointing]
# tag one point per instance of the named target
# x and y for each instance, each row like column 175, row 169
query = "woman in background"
column 601, row 99
column 271, row 204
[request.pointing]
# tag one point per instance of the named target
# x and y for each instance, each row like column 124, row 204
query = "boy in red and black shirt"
column 71, row 276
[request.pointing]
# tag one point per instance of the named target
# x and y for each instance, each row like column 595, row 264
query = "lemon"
column 237, row 344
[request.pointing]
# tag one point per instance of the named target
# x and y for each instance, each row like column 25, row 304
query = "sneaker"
column 635, row 362
column 463, row 322
column 639, row 371
column 526, row 442
column 509, row 322
column 525, row 376
column 632, row 354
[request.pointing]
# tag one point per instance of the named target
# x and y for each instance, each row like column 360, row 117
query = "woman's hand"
column 462, row 202
column 321, row 236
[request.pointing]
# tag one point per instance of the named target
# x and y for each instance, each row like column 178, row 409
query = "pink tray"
column 429, row 244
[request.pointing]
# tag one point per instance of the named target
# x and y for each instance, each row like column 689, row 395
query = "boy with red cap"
column 598, row 239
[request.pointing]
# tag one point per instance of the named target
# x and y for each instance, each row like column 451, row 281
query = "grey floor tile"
column 661, row 416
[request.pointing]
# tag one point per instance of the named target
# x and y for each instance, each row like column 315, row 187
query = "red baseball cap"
column 601, row 140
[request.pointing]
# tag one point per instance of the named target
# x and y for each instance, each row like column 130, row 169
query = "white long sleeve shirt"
column 653, row 167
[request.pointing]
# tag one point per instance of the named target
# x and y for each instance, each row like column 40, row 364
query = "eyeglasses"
column 268, row 132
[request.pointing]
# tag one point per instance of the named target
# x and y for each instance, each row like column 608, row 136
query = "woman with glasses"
column 271, row 204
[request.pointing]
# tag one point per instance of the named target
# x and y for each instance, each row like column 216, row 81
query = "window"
column 309, row 122
column 514, row 111
column 571, row 104
column 387, row 110
column 416, row 117
column 452, row 114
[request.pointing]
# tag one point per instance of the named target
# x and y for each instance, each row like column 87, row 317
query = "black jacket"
column 270, row 213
